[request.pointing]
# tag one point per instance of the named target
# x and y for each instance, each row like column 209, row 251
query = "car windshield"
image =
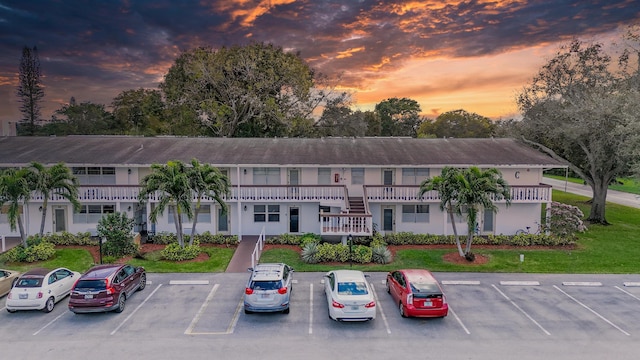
column 29, row 282
column 91, row 285
column 352, row 288
column 266, row 285
column 425, row 289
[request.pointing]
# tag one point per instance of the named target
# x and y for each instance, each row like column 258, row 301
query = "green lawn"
column 602, row 249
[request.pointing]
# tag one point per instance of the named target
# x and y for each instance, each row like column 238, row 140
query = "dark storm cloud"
column 94, row 49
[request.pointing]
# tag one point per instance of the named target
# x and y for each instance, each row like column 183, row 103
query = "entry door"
column 294, row 219
column 223, row 222
column 388, row 219
column 59, row 220
column 487, row 223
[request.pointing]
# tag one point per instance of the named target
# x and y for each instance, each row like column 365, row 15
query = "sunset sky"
column 474, row 55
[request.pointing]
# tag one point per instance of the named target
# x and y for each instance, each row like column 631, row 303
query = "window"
column 357, row 176
column 93, row 175
column 324, row 176
column 91, row 214
column 204, row 214
column 414, row 176
column 415, row 213
column 266, row 176
column 262, row 213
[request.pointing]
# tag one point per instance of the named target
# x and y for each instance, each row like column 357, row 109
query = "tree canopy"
column 30, row 90
column 578, row 108
column 398, row 117
column 457, row 124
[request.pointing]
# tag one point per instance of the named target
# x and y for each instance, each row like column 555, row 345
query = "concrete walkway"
column 241, row 259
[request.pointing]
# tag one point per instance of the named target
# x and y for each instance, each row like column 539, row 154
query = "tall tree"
column 30, row 91
column 55, row 180
column 458, row 124
column 243, row 91
column 139, row 112
column 339, row 120
column 578, row 109
column 86, row 119
column 206, row 181
column 172, row 183
column 15, row 191
column 399, row 117
column 472, row 190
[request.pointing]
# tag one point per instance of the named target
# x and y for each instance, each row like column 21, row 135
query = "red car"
column 106, row 288
column 417, row 293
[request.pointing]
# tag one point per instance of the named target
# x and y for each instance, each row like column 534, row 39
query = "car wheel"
column 11, row 310
column 248, row 311
column 285, row 311
column 49, row 305
column 387, row 286
column 143, row 282
column 401, row 308
column 121, row 300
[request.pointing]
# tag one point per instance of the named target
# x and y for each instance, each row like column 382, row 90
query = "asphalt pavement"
column 617, row 197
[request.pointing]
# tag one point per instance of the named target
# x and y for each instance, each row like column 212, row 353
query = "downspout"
column 239, row 205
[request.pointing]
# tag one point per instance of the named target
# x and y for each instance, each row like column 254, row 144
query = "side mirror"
column 250, row 269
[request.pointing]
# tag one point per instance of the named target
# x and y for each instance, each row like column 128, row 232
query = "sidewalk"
column 241, row 259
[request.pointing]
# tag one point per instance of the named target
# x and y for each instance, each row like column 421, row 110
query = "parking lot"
column 588, row 313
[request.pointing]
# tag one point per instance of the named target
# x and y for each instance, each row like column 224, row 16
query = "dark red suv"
column 106, row 288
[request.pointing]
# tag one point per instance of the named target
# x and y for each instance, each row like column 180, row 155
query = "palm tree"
column 206, row 180
column 56, row 180
column 447, row 187
column 478, row 189
column 471, row 189
column 172, row 183
column 15, row 190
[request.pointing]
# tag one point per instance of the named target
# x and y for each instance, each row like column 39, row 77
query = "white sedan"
column 349, row 296
column 41, row 289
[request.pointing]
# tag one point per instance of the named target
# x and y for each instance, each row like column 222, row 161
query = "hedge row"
column 408, row 238
column 166, row 238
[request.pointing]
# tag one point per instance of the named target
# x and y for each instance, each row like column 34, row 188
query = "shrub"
column 116, row 229
column 381, row 255
column 309, row 239
column 174, row 252
column 310, row 252
column 66, row 238
column 165, row 238
column 220, row 239
column 566, row 220
column 284, row 239
column 37, row 252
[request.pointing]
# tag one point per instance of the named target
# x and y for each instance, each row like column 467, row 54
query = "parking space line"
column 236, row 316
column 460, row 282
column 189, row 282
column 592, row 311
column 582, row 283
column 310, row 308
column 50, row 322
column 384, row 317
column 519, row 283
column 136, row 309
column 632, row 284
column 204, row 305
column 521, row 310
column 626, row 292
column 459, row 320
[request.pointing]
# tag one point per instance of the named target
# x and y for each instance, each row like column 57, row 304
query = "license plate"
column 88, row 296
column 265, row 296
column 23, row 296
column 355, row 308
column 428, row 303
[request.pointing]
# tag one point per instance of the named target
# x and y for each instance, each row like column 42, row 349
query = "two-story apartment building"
column 327, row 186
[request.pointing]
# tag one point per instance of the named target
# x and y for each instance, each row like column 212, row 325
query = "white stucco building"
column 328, row 186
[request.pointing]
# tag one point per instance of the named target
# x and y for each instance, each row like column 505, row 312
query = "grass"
column 602, row 249
column 629, row 185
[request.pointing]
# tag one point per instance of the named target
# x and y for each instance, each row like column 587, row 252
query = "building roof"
column 368, row 151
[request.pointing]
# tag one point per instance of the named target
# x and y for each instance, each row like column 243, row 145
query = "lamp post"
column 102, row 240
column 350, row 238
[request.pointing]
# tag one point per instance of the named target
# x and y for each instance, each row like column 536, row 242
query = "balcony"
column 409, row 194
column 346, row 224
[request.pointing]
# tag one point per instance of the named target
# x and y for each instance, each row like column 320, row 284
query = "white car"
column 41, row 289
column 349, row 296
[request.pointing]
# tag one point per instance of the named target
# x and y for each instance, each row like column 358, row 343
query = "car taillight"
column 9, row 296
column 248, row 291
column 40, row 294
column 444, row 300
column 110, row 289
column 282, row 290
column 409, row 299
column 336, row 304
column 371, row 304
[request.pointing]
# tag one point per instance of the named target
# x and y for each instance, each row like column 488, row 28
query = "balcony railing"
column 409, row 194
column 346, row 224
column 254, row 193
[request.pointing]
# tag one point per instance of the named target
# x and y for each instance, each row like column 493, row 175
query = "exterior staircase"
column 356, row 205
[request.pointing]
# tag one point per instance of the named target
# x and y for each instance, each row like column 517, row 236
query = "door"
column 294, row 219
column 59, row 220
column 223, row 222
column 487, row 221
column 294, row 181
column 388, row 219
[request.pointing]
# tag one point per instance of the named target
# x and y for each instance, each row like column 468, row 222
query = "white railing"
column 345, row 224
column 257, row 250
column 409, row 193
